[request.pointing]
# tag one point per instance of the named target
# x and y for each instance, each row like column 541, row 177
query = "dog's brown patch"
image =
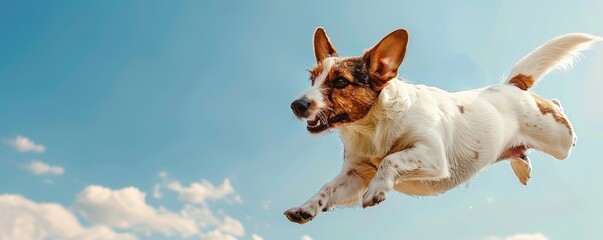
column 521, row 81
column 461, row 108
column 547, row 107
column 314, row 72
column 513, row 152
column 353, row 100
column 404, row 142
column 405, row 172
column 357, row 98
column 366, row 170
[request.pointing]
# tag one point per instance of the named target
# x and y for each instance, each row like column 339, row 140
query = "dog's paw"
column 299, row 215
column 522, row 169
column 372, row 198
column 369, row 201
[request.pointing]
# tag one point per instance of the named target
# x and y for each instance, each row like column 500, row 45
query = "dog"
column 421, row 140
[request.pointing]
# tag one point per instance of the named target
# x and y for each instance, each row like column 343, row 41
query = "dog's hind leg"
column 345, row 189
column 548, row 129
column 522, row 168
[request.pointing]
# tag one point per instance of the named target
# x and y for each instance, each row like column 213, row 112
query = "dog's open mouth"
column 319, row 124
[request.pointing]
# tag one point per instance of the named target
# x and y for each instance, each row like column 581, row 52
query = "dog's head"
column 344, row 88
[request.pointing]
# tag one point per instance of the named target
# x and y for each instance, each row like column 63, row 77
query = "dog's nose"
column 300, row 106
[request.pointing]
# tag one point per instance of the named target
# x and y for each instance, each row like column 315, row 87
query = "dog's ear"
column 322, row 46
column 385, row 58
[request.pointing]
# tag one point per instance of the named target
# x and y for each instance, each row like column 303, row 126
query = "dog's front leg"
column 345, row 189
column 424, row 160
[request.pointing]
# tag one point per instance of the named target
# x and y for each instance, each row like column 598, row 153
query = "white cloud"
column 157, row 191
column 306, row 237
column 226, row 229
column 231, row 226
column 216, row 235
column 38, row 168
column 199, row 192
column 229, row 229
column 107, row 209
column 21, row 218
column 202, row 215
column 256, row 237
column 127, row 209
column 24, row 144
column 535, row 236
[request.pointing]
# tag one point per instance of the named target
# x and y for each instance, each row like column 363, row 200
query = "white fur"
column 446, row 138
column 558, row 53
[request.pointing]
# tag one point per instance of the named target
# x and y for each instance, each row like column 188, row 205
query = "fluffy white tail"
column 558, row 53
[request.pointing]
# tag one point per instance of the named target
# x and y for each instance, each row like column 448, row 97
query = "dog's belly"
column 425, row 187
column 458, row 175
column 461, row 171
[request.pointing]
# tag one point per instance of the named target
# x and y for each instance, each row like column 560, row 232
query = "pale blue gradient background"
column 120, row 90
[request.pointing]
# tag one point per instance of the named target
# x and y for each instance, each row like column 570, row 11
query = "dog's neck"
column 376, row 133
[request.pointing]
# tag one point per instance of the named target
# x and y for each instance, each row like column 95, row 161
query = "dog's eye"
column 340, row 82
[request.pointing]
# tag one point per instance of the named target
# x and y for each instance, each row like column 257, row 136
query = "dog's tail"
column 558, row 53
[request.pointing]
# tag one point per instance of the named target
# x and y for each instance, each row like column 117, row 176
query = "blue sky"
column 191, row 98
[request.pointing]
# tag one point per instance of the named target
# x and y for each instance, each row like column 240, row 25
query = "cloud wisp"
column 40, row 168
column 306, row 237
column 535, row 236
column 24, row 144
column 200, row 192
column 256, row 237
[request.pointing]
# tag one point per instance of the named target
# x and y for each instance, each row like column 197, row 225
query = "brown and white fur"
column 422, row 140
